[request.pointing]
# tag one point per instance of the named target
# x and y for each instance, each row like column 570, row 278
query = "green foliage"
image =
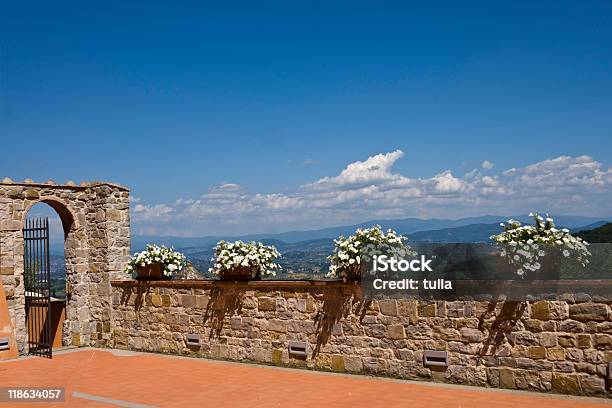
column 601, row 234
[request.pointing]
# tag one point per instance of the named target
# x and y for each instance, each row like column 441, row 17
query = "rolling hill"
column 477, row 229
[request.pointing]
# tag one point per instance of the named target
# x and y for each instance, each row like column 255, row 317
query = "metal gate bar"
column 37, row 282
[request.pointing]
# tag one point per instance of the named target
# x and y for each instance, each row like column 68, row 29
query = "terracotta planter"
column 241, row 274
column 151, row 272
column 353, row 274
column 550, row 269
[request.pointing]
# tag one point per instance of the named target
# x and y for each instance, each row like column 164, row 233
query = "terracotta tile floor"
column 163, row 381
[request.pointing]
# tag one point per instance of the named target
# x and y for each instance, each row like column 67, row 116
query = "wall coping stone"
column 570, row 283
column 81, row 187
column 196, row 283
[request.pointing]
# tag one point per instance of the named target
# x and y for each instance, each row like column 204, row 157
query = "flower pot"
column 353, row 274
column 241, row 274
column 550, row 269
column 151, row 272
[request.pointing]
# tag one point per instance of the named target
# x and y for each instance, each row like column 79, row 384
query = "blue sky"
column 177, row 101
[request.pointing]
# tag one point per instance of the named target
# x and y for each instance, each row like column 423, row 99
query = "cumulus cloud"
column 370, row 189
column 487, row 165
column 375, row 169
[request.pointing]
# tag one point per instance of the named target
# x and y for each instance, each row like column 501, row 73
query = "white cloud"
column 447, row 183
column 370, row 189
column 375, row 169
column 487, row 165
column 152, row 212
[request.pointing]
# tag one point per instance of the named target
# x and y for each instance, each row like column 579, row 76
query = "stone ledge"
column 566, row 289
column 213, row 283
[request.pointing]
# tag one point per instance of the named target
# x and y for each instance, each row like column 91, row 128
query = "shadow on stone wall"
column 224, row 301
column 142, row 288
column 336, row 304
column 504, row 323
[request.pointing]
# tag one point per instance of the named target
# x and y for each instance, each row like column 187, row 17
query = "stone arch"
column 95, row 218
column 66, row 213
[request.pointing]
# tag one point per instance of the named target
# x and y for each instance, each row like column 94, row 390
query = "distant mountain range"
column 470, row 229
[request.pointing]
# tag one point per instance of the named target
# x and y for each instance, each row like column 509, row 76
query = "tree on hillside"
column 601, row 234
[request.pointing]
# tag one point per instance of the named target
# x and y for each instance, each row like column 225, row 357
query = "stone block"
column 540, row 310
column 555, row 353
column 7, row 270
column 156, row 300
column 220, row 351
column 236, row 322
column 537, row 352
column 375, row 330
column 585, row 368
column 584, row 341
column 15, row 192
column 266, row 304
column 188, row 300
column 114, row 215
column 506, row 378
column 166, row 300
column 603, row 341
column 337, row 363
column 409, row 309
column 548, row 339
column 534, row 325
column 388, row 307
column 574, row 354
column 353, row 364
column 10, row 225
column 396, row 332
column 572, row 326
column 524, row 338
column 558, row 310
column 566, row 340
column 589, row 312
column 427, row 310
column 592, row 385
column 565, row 383
column 277, row 357
column 471, row 335
column 277, row 325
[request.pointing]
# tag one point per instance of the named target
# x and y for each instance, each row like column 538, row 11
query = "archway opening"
column 59, row 224
column 57, row 237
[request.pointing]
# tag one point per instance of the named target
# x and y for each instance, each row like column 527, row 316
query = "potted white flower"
column 244, row 261
column 351, row 253
column 534, row 250
column 156, row 262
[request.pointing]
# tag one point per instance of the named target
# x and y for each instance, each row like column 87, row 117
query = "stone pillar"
column 108, row 218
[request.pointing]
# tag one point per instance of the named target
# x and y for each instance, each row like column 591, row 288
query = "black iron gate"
column 37, row 282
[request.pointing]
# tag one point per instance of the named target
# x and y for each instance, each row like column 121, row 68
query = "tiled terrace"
column 98, row 378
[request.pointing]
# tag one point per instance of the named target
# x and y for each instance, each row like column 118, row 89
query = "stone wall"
column 95, row 217
column 558, row 346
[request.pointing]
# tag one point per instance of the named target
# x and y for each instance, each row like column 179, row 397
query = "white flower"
column 254, row 256
column 170, row 260
column 352, row 251
column 530, row 238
